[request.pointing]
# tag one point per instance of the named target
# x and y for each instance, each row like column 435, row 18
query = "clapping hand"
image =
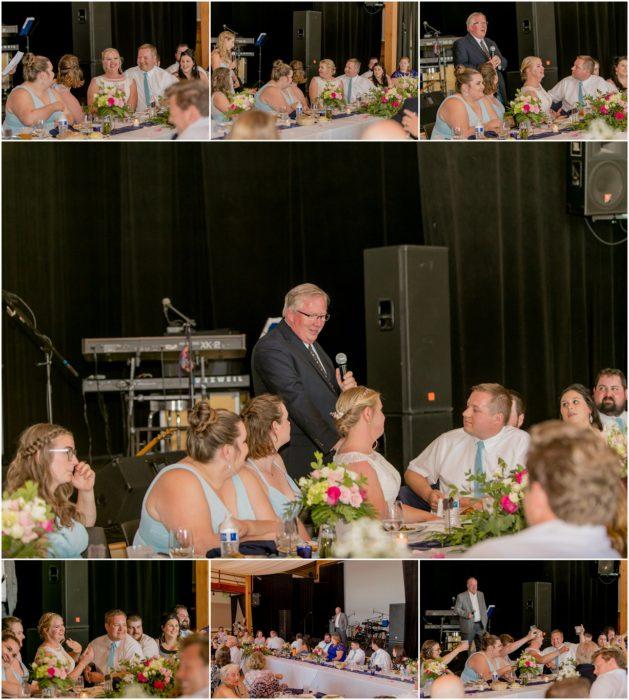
column 347, row 382
column 410, row 122
column 83, row 477
column 73, row 646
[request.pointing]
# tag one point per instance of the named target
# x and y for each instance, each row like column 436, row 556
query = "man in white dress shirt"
column 610, row 667
column 113, row 647
column 518, row 409
column 274, row 642
column 325, row 643
column 380, row 657
column 556, row 642
column 148, row 644
column 475, row 448
column 610, row 397
column 189, row 105
column 193, row 672
column 174, row 68
column 356, row 655
column 184, row 620
column 354, row 85
column 570, row 499
column 573, row 90
column 235, row 653
column 151, row 80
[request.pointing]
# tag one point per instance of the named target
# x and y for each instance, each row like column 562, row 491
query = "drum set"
column 363, row 632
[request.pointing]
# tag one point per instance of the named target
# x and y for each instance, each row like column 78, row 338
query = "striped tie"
column 478, row 467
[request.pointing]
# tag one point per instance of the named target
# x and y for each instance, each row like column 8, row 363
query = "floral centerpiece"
column 611, row 109
column 432, row 669
column 240, row 102
column 110, row 102
column 27, row 520
column 617, row 440
column 411, row 667
column 332, row 96
column 407, row 86
column 366, row 539
column 567, row 670
column 49, row 672
column 525, row 107
column 384, row 102
column 502, row 512
column 156, row 676
column 333, row 494
column 527, row 668
column 317, row 656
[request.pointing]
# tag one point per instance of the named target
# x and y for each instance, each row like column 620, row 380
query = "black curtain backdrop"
column 411, row 593
column 104, row 233
column 579, row 595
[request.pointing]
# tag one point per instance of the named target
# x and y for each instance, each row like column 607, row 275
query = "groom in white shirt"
column 475, row 448
column 556, row 642
column 112, row 648
column 610, row 397
column 354, row 85
column 573, row 90
column 151, row 80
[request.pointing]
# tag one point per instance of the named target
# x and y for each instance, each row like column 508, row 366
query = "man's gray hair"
column 292, row 298
column 468, row 21
column 227, row 669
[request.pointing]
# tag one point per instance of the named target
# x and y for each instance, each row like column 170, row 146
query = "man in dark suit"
column 290, row 363
column 472, row 611
column 475, row 48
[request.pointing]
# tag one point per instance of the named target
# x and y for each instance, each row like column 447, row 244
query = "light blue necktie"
column 111, row 659
column 581, row 100
column 621, row 424
column 147, row 90
column 478, row 467
column 349, row 90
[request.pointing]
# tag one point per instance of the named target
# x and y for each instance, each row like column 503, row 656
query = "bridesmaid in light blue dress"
column 221, row 91
column 208, row 485
column 490, row 78
column 46, row 455
column 486, row 664
column 275, row 96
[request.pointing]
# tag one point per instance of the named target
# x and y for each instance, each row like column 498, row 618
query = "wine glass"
column 38, row 129
column 180, row 545
column 394, row 518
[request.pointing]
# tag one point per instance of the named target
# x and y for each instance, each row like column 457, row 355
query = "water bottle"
column 479, row 131
column 230, row 540
column 455, row 512
column 62, row 124
column 298, row 110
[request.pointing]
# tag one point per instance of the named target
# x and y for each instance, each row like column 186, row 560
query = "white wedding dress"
column 543, row 96
column 321, row 83
column 389, row 477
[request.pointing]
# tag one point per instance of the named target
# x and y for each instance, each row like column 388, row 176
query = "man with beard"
column 135, row 630
column 610, row 397
column 184, row 620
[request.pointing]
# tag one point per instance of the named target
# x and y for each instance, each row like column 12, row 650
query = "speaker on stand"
column 537, row 605
column 307, row 40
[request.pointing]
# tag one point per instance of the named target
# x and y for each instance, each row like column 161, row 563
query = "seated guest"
column 235, row 652
column 151, row 81
column 298, row 644
column 18, row 671
column 569, row 688
column 369, row 72
column 597, row 66
column 360, row 421
column 221, row 94
column 379, row 657
column 53, row 633
column 169, row 639
column 274, row 642
column 189, row 69
column 509, row 645
column 398, row 655
column 573, row 90
column 112, row 648
column 173, row 68
column 260, row 639
column 259, row 681
column 35, row 100
column 404, row 69
column 557, row 643
column 610, row 633
column 148, row 644
column 610, row 397
column 518, row 409
column 11, row 679
column 221, row 635
column 379, row 77
column 183, row 617
column 46, row 455
column 294, row 92
column 69, row 77
column 578, row 408
column 583, row 656
column 354, row 86
column 324, row 644
column 486, row 664
column 192, row 675
column 447, row 686
column 495, row 107
column 337, row 650
column 299, row 74
column 232, row 685
column 189, row 105
column 476, row 447
column 274, row 96
column 564, row 463
column 222, row 657
column 198, row 493
column 327, row 71
column 223, row 57
column 619, row 73
column 545, row 658
column 610, row 666
column 356, row 655
column 532, row 74
column 113, row 79
column 465, row 110
column 254, row 125
column 431, row 651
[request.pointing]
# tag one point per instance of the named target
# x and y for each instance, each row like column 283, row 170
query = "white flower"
column 514, row 498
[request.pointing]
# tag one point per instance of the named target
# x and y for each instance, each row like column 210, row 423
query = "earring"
column 229, row 467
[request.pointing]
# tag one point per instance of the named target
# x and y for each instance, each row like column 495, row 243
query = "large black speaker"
column 537, row 605
column 91, row 33
column 284, row 631
column 307, row 39
column 407, row 434
column 397, row 612
column 537, row 37
column 597, row 179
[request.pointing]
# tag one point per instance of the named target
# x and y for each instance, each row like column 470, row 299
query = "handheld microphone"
column 492, row 51
column 341, row 361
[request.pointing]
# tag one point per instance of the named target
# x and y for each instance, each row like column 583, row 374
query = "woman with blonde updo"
column 327, row 71
column 275, row 96
column 532, row 73
column 46, row 455
column 69, row 77
column 466, row 110
column 53, row 632
column 223, row 56
column 360, row 422
column 113, row 79
column 199, row 492
column 35, row 100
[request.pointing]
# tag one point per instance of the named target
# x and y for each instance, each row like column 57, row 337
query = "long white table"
column 334, row 681
column 526, row 691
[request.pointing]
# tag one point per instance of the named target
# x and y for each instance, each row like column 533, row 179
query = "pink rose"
column 333, row 494
column 604, row 110
column 396, row 104
column 363, row 493
column 355, row 500
column 158, row 685
column 535, row 109
column 619, row 116
column 520, row 476
column 51, row 672
column 346, row 495
column 508, row 505
column 142, row 678
column 526, row 108
column 48, row 525
column 111, row 101
column 316, row 474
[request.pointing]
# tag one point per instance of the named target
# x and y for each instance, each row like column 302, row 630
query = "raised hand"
column 348, row 382
column 75, row 647
column 84, row 477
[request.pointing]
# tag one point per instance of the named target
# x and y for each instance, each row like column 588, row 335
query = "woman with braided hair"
column 46, row 455
column 209, row 484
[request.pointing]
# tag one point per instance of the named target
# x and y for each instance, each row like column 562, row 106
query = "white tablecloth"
column 155, row 133
column 333, row 681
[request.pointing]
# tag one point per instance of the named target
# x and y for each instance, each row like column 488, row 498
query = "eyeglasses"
column 69, row 451
column 315, row 317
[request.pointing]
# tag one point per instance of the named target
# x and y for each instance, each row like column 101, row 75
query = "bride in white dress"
column 532, row 74
column 327, row 70
column 113, row 78
column 360, row 421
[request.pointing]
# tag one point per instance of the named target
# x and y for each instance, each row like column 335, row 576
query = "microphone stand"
column 188, row 325
column 45, row 344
